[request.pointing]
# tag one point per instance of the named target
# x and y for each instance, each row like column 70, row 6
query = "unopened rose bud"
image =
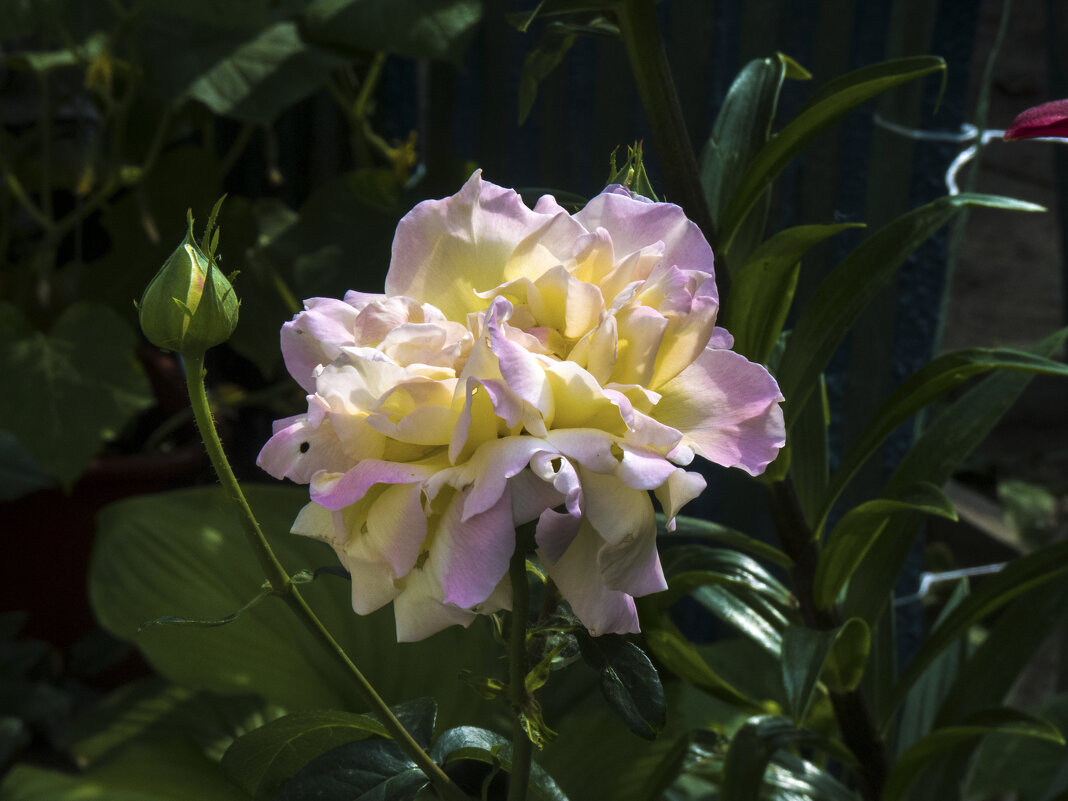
column 190, row 305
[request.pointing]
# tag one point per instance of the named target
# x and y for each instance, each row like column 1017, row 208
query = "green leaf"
column 155, row 769
column 465, row 747
column 742, row 127
column 858, row 530
column 439, row 29
column 184, row 553
column 69, row 391
column 941, row 376
column 844, row 294
column 1010, row 643
column 1015, row 579
column 260, row 761
column 1001, row 720
column 690, row 566
column 837, row 99
column 945, row 443
column 722, row 535
column 263, row 75
column 365, row 770
column 676, row 653
column 838, row 654
column 629, row 682
column 19, row 474
column 1030, row 770
column 151, row 708
column 763, row 289
column 540, row 61
column 751, row 751
column 918, row 713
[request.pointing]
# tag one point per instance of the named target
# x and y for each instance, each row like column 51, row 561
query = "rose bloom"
column 523, row 365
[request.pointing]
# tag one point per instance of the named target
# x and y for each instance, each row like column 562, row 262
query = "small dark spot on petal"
column 304, row 446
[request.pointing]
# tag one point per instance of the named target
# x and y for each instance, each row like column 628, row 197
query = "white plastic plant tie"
column 967, row 133
column 928, row 580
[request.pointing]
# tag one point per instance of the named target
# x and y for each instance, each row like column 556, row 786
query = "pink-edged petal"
column 396, row 528
column 336, row 491
column 590, row 447
column 635, row 224
column 520, row 369
column 419, row 610
column 487, row 404
column 1048, row 119
column 640, row 332
column 315, row 336
column 470, row 557
column 531, row 497
column 318, row 523
column 446, row 250
column 644, row 469
column 561, row 474
column 616, row 511
column 300, row 450
column 490, row 468
column 632, row 566
column 555, row 532
column 727, row 409
column 681, row 487
column 601, row 610
column 372, row 587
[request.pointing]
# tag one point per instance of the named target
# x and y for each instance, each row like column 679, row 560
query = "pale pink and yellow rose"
column 524, row 365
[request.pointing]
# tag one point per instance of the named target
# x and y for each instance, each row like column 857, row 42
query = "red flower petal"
column 1049, row 119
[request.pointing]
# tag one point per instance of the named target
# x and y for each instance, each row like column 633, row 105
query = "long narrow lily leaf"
column 1011, row 642
column 971, row 731
column 842, row 297
column 836, row 100
column 857, row 531
column 752, row 748
column 808, row 653
column 676, row 653
column 763, row 289
column 722, row 535
column 1015, row 579
column 742, row 127
column 925, row 386
column 945, row 443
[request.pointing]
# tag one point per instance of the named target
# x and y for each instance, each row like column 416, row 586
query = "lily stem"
column 656, row 88
column 522, row 748
column 851, row 709
column 282, row 585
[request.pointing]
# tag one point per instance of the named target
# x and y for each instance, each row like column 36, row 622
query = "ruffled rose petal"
column 636, row 223
column 728, row 410
column 446, row 250
column 471, row 556
column 601, row 610
column 336, row 491
column 315, row 337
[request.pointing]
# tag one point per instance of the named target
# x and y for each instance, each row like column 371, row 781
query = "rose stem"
column 282, row 586
column 517, row 672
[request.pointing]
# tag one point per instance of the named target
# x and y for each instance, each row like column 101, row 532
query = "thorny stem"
column 851, row 709
column 656, row 88
column 522, row 748
column 282, row 586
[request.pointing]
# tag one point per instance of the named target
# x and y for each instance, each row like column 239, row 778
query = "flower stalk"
column 656, row 88
column 522, row 748
column 282, row 585
column 851, row 709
